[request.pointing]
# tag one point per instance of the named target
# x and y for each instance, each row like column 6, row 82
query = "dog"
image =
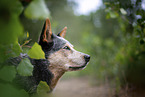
column 60, row 57
column 60, row 53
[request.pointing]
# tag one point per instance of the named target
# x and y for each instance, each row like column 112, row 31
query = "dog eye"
column 66, row 47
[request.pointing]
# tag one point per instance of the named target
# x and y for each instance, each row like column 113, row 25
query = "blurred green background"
column 113, row 34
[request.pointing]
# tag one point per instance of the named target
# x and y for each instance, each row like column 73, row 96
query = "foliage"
column 131, row 54
column 43, row 88
column 11, row 29
column 37, row 9
column 7, row 73
column 25, row 67
column 9, row 50
column 36, row 52
column 8, row 90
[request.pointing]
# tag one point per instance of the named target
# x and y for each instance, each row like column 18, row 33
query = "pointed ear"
column 62, row 32
column 46, row 34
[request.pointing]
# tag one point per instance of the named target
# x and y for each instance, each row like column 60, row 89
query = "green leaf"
column 7, row 90
column 14, row 50
column 36, row 52
column 22, row 93
column 10, row 25
column 25, row 67
column 11, row 50
column 37, row 10
column 18, row 8
column 7, row 73
column 10, row 30
column 42, row 88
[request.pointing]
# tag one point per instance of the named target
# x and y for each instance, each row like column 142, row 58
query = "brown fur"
column 47, row 31
column 59, row 63
column 63, row 32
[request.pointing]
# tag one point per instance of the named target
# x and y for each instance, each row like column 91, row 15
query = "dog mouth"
column 78, row 67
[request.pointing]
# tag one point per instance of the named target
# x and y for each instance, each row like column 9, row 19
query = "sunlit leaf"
column 27, row 35
column 7, row 73
column 123, row 11
column 107, row 3
column 36, row 52
column 113, row 14
column 107, row 16
column 43, row 88
column 25, row 67
column 37, row 10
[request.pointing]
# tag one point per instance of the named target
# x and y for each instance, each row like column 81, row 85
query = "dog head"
column 59, row 52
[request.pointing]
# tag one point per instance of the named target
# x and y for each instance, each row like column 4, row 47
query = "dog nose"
column 87, row 58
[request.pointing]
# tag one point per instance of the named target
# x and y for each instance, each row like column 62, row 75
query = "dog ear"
column 62, row 33
column 46, row 34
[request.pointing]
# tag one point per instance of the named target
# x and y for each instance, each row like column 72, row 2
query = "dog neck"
column 57, row 73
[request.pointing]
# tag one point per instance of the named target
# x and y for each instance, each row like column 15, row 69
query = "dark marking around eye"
column 66, row 47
